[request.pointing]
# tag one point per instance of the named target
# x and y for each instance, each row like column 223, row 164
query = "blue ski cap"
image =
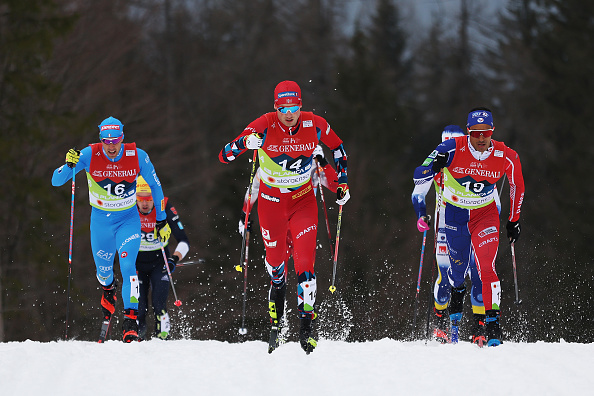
column 450, row 132
column 476, row 117
column 111, row 128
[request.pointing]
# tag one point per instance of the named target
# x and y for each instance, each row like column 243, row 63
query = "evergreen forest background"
column 185, row 77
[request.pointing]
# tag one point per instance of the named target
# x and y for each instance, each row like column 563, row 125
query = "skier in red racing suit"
column 471, row 166
column 285, row 140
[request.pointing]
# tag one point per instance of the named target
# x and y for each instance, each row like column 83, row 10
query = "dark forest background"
column 185, row 77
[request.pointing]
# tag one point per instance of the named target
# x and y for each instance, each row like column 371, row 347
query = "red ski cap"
column 287, row 93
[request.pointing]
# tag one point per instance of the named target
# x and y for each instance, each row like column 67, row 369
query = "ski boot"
column 308, row 344
column 456, row 305
column 276, row 309
column 130, row 326
column 440, row 329
column 493, row 328
column 478, row 330
column 162, row 326
column 108, row 302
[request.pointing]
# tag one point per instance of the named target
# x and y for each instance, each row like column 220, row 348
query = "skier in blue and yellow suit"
column 112, row 169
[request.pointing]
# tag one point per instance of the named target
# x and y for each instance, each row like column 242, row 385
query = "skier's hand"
column 318, row 154
column 513, row 230
column 162, row 231
column 242, row 224
column 172, row 262
column 441, row 159
column 424, row 223
column 342, row 194
column 72, row 157
column 253, row 141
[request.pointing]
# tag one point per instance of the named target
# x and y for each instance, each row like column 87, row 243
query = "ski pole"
column 247, row 212
column 70, row 252
column 191, row 262
column 177, row 302
column 419, row 283
column 319, row 171
column 243, row 329
column 436, row 232
column 513, row 254
column 243, row 260
column 501, row 188
column 332, row 288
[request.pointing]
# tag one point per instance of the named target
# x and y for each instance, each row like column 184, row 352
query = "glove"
column 172, row 262
column 253, row 141
column 342, row 194
column 162, row 230
column 72, row 157
column 424, row 223
column 513, row 230
column 441, row 159
column 242, row 225
column 318, row 152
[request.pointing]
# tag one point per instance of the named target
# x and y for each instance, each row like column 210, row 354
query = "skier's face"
column 111, row 150
column 479, row 141
column 288, row 118
column 145, row 202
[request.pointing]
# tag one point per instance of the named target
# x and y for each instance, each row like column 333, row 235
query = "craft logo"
column 305, row 231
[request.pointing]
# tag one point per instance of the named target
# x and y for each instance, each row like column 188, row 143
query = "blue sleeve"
column 424, row 174
column 64, row 173
column 147, row 171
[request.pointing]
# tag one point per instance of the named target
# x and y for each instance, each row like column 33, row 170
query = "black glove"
column 162, row 230
column 441, row 159
column 172, row 262
column 242, row 225
column 72, row 157
column 513, row 230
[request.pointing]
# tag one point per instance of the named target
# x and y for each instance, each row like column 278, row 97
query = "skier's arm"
column 424, row 175
column 64, row 173
column 177, row 229
column 237, row 147
column 513, row 170
column 147, row 171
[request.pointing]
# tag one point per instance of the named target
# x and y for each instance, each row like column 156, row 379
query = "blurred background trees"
column 185, row 77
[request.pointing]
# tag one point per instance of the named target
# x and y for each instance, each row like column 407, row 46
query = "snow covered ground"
column 386, row 366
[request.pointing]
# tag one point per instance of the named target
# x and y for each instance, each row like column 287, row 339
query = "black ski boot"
column 493, row 328
column 478, row 330
column 441, row 328
column 130, row 326
column 306, row 340
column 456, row 306
column 276, row 309
column 108, row 299
column 108, row 302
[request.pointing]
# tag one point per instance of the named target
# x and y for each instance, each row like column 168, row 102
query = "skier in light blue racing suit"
column 112, row 168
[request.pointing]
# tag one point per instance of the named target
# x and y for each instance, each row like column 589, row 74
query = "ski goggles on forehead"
column 477, row 133
column 112, row 140
column 139, row 198
column 285, row 110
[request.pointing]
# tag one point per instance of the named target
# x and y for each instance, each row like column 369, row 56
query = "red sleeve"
column 237, row 147
column 513, row 170
column 327, row 135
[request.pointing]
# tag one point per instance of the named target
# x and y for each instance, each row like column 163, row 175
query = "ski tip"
column 332, row 289
column 177, row 303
